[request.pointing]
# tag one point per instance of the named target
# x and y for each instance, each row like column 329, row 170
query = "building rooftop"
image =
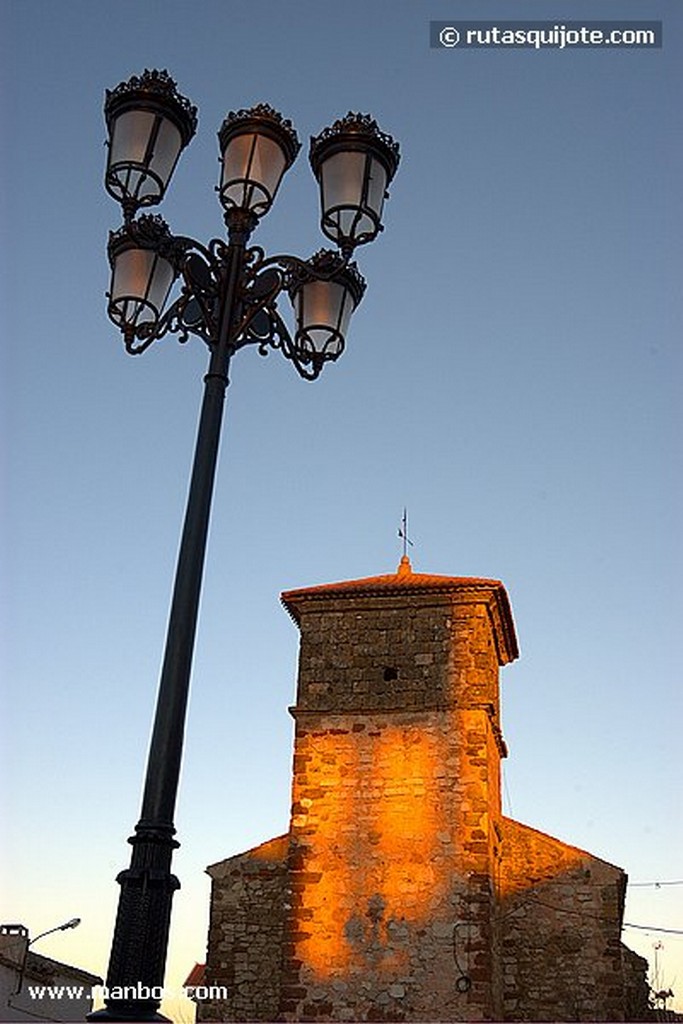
column 405, row 581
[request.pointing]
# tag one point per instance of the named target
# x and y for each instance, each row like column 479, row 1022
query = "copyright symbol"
column 449, row 36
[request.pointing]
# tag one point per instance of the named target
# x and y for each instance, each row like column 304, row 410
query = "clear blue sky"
column 513, row 376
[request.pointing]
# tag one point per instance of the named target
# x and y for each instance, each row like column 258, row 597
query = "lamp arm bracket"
column 196, row 309
column 199, row 266
column 294, row 265
column 261, row 323
column 265, row 278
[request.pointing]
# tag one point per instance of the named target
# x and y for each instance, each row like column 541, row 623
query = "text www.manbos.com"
column 126, row 992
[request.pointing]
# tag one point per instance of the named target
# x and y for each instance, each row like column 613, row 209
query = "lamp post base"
column 134, row 987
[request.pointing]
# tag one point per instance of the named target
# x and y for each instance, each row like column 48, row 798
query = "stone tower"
column 396, row 793
column 400, row 891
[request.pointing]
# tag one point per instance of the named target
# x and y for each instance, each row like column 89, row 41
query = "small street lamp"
column 23, row 939
column 228, row 298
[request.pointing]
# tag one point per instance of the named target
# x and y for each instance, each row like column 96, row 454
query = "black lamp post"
column 228, row 298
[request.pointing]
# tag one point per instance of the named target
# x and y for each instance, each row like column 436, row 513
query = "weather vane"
column 403, row 533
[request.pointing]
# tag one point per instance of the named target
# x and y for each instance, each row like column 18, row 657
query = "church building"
column 401, row 892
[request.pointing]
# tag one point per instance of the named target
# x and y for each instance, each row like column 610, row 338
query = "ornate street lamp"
column 257, row 147
column 353, row 162
column 149, row 124
column 143, row 257
column 324, row 292
column 227, row 295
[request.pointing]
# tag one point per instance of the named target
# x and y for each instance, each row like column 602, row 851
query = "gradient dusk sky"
column 512, row 376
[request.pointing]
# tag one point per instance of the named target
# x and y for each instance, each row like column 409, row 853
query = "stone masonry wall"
column 561, row 919
column 636, row 989
column 395, row 792
column 401, row 893
column 368, row 657
column 248, row 897
column 475, row 689
column 376, row 871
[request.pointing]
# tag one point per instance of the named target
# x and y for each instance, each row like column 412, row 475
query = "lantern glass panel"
column 144, row 151
column 253, row 166
column 323, row 310
column 353, row 186
column 377, row 187
column 343, row 179
column 141, row 283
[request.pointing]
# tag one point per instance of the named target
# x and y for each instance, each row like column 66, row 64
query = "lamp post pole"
column 163, row 770
column 138, row 954
column 229, row 299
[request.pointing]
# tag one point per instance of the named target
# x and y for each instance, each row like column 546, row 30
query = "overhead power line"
column 656, row 885
column 654, row 928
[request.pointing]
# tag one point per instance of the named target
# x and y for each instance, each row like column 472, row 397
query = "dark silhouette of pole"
column 138, row 956
column 229, row 299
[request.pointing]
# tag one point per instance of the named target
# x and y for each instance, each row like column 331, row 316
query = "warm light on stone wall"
column 368, row 821
column 401, row 892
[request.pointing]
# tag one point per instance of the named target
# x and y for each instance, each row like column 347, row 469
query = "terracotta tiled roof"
column 197, row 976
column 404, row 581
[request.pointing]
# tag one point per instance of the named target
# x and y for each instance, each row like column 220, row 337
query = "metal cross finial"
column 403, row 533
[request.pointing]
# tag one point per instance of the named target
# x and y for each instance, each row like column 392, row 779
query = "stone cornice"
column 405, row 583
